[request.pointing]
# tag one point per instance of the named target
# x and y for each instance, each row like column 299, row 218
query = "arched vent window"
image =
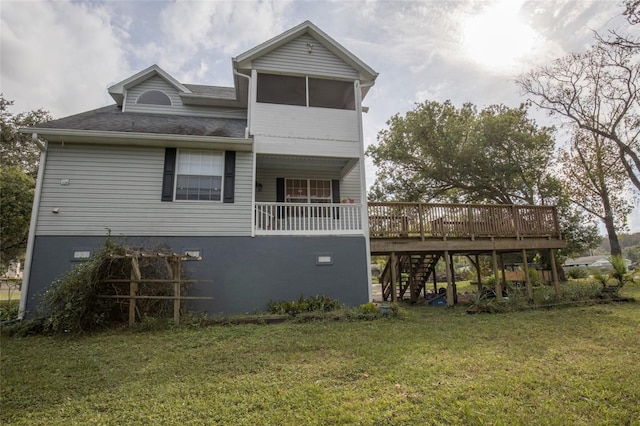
column 154, row 97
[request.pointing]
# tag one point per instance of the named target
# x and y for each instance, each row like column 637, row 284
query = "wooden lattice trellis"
column 173, row 263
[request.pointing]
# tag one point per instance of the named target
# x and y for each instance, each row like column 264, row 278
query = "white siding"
column 119, row 188
column 294, row 57
column 177, row 107
column 296, row 146
column 291, row 121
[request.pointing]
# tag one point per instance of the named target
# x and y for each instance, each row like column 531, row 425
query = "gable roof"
column 117, row 90
column 243, row 61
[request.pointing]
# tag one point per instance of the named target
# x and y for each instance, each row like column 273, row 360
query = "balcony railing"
column 308, row 219
column 411, row 220
column 407, row 220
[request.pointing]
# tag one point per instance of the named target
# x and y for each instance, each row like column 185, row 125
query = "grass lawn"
column 576, row 365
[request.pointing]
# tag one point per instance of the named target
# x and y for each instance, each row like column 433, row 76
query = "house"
column 250, row 178
column 592, row 262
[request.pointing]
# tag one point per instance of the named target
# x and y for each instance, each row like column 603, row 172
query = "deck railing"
column 410, row 220
column 307, row 219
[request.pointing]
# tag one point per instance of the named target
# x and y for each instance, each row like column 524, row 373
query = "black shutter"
column 335, row 195
column 280, row 196
column 280, row 190
column 229, row 177
column 335, row 190
column 168, row 174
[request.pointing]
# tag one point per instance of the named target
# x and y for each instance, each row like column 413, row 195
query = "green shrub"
column 489, row 282
column 73, row 303
column 369, row 308
column 70, row 304
column 311, row 304
column 577, row 273
column 619, row 271
column 9, row 310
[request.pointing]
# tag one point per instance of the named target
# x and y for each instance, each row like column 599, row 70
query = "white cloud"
column 58, row 55
column 211, row 30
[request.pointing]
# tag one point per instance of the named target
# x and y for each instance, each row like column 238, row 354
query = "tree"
column 17, row 149
column 598, row 92
column 596, row 182
column 437, row 152
column 632, row 12
column 16, row 197
column 19, row 158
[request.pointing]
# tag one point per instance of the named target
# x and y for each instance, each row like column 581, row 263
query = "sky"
column 62, row 55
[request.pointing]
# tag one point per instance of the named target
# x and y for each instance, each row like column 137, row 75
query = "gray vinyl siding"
column 119, row 189
column 350, row 185
column 294, row 57
column 177, row 107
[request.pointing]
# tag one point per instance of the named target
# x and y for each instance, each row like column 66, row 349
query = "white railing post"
column 307, row 219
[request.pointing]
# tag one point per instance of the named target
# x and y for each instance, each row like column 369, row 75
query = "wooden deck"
column 418, row 227
column 413, row 234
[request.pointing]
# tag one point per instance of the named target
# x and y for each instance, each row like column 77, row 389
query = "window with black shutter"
column 198, row 175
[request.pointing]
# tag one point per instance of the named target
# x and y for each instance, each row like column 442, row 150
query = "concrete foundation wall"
column 245, row 273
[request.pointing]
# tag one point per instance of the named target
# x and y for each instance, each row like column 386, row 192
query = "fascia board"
column 140, row 139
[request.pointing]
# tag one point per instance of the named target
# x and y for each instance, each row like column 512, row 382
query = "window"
column 154, row 97
column 305, row 91
column 308, row 191
column 331, row 94
column 199, row 175
column 282, row 89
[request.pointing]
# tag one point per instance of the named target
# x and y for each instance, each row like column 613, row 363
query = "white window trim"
column 175, row 177
column 308, row 180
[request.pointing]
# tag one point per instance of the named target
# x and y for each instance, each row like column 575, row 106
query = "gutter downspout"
column 246, row 135
column 246, row 130
column 24, row 290
column 363, row 189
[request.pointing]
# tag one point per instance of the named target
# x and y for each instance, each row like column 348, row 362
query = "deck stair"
column 413, row 272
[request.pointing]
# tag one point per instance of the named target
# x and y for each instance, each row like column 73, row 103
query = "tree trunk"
column 616, row 250
column 609, row 225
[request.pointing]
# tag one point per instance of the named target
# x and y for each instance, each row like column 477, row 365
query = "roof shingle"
column 111, row 118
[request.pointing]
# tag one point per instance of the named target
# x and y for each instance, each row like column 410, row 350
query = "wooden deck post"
column 479, row 278
column 527, row 279
column 504, row 275
column 450, row 297
column 176, row 289
column 421, row 216
column 494, row 257
column 133, row 289
column 554, row 273
column 394, row 276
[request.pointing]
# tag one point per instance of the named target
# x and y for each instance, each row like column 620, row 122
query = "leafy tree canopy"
column 16, row 195
column 440, row 152
column 17, row 149
column 19, row 158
